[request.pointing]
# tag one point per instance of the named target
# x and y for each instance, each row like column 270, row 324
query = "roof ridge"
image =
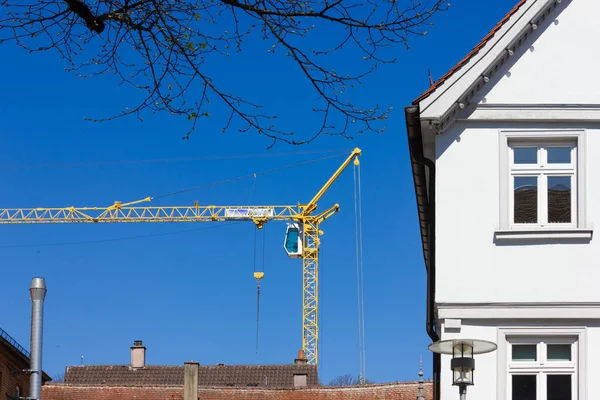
column 120, row 365
column 201, row 365
column 363, row 386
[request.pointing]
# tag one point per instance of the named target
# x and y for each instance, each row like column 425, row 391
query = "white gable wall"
column 559, row 67
column 471, row 268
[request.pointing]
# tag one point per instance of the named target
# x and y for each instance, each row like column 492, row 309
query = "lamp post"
column 462, row 363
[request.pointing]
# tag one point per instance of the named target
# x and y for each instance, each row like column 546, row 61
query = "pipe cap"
column 37, row 290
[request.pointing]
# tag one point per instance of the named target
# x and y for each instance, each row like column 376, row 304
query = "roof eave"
column 415, row 146
column 440, row 82
column 462, row 82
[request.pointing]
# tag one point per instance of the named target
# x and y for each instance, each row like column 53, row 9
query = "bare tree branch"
column 348, row 380
column 161, row 48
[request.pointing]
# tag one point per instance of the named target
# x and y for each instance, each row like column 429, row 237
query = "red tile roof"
column 392, row 391
column 471, row 54
column 275, row 376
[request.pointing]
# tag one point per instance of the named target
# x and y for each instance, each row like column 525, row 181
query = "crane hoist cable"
column 321, row 308
column 258, row 275
column 359, row 271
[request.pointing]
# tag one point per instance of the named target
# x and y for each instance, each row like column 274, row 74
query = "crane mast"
column 302, row 216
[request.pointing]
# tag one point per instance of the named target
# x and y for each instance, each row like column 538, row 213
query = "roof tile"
column 276, row 376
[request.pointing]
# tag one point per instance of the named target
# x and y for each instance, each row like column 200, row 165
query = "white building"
column 508, row 193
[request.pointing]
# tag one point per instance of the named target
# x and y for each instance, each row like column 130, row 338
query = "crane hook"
column 258, row 276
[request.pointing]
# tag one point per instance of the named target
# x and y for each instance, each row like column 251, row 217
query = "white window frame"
column 577, row 229
column 542, row 170
column 537, row 335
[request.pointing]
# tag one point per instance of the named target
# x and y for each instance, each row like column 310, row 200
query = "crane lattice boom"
column 118, row 213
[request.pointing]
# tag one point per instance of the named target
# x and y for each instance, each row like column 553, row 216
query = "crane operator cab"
column 293, row 240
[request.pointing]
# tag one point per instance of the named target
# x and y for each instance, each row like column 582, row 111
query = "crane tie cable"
column 12, row 246
column 165, row 160
column 253, row 175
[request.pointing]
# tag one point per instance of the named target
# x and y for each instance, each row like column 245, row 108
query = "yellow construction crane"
column 301, row 238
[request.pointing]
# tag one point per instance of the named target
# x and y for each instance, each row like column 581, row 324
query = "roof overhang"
column 443, row 103
column 415, row 145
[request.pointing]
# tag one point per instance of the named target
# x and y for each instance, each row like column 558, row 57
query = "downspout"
column 431, row 317
column 427, row 221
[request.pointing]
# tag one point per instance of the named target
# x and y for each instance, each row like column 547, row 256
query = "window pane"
column 559, row 387
column 525, row 200
column 559, row 155
column 525, row 155
column 524, row 352
column 559, row 352
column 523, row 387
column 559, row 199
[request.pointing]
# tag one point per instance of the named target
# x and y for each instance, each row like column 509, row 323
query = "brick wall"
column 65, row 392
column 10, row 363
column 392, row 391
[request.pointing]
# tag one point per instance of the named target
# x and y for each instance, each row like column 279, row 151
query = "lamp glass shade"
column 462, row 364
column 462, row 376
column 462, row 350
column 447, row 346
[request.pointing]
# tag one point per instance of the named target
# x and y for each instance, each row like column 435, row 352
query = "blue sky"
column 187, row 291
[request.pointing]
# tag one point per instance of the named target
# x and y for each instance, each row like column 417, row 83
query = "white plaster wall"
column 485, row 365
column 563, row 61
column 593, row 363
column 471, row 268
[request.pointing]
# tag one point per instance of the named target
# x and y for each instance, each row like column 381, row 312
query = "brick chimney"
column 301, row 358
column 138, row 355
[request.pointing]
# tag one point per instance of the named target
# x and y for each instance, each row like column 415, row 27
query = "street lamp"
column 462, row 363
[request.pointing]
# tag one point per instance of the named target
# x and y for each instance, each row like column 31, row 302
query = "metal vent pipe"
column 37, row 290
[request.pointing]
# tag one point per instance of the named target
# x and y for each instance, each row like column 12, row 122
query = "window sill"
column 566, row 234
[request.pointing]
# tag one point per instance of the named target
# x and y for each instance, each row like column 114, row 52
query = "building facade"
column 502, row 150
column 390, row 391
column 14, row 360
